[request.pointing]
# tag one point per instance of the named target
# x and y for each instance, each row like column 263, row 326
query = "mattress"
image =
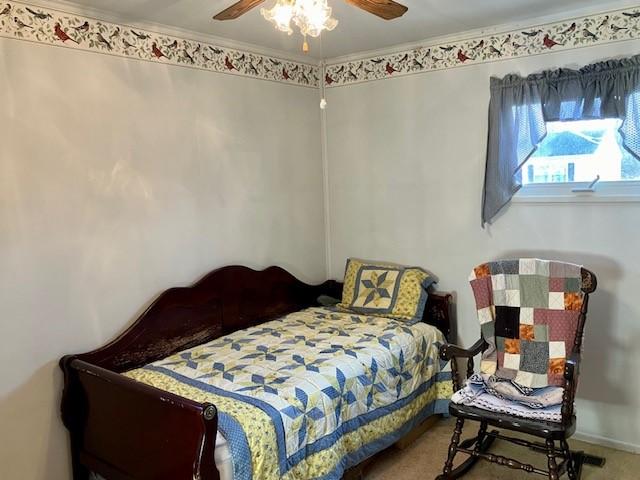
column 222, row 455
column 312, row 393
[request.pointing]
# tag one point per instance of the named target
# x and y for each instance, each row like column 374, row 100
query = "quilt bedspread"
column 312, row 393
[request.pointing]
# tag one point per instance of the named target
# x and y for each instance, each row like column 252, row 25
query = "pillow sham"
column 385, row 289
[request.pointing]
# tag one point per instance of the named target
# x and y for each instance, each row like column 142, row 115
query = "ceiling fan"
column 310, row 16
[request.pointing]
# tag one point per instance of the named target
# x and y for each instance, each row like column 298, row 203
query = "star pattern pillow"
column 376, row 288
column 385, row 289
column 529, row 310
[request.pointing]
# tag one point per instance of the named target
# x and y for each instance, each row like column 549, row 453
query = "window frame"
column 623, row 191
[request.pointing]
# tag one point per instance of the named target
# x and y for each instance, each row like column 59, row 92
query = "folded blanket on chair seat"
column 497, row 395
column 530, row 397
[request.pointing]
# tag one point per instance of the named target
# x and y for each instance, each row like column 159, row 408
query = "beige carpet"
column 425, row 457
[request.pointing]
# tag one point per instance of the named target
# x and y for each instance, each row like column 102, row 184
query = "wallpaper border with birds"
column 54, row 27
column 613, row 26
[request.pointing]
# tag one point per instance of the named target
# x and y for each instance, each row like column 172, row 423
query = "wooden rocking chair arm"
column 572, row 367
column 449, row 351
column 571, row 372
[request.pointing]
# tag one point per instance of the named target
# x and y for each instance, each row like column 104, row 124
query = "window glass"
column 579, row 151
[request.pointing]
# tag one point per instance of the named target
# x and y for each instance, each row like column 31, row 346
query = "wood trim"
column 439, row 312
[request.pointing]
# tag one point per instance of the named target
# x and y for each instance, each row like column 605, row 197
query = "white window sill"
column 605, row 192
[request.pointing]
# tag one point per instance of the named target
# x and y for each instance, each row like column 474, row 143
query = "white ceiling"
column 357, row 31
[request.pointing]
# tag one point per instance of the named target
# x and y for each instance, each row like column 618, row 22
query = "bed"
column 244, row 376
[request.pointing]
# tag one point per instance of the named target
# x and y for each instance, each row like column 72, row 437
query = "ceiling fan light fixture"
column 312, row 17
column 280, row 15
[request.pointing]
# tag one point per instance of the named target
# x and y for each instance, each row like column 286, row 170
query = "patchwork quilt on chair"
column 313, row 393
column 529, row 311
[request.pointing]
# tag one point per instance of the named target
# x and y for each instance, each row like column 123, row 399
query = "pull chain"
column 323, row 73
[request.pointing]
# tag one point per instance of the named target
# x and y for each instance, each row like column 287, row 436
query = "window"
column 528, row 157
column 575, row 154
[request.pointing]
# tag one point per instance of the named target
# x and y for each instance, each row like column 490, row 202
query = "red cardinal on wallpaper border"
column 62, row 35
column 550, row 42
column 156, row 51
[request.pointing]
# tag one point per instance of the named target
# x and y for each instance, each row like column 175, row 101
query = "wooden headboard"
column 225, row 300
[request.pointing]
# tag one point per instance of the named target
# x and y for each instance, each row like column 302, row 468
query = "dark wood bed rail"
column 125, row 430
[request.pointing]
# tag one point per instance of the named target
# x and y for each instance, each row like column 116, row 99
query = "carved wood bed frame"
column 125, row 430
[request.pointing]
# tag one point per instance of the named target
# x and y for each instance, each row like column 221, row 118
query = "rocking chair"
column 520, row 303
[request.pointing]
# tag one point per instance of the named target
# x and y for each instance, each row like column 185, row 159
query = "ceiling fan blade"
column 387, row 9
column 237, row 9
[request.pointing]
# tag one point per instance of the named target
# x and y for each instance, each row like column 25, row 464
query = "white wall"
column 406, row 165
column 121, row 178
column 151, row 175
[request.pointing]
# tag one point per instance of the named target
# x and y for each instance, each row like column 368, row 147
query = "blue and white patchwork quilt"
column 314, row 392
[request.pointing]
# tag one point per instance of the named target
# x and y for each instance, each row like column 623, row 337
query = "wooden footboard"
column 125, row 430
